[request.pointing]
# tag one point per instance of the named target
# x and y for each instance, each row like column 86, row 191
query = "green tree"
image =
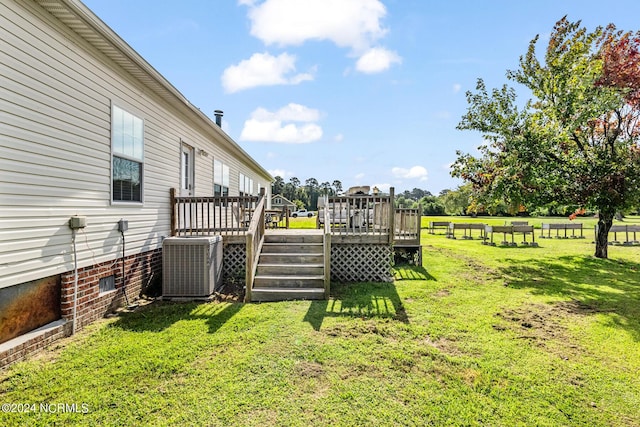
column 337, row 186
column 313, row 191
column 278, row 185
column 326, row 188
column 431, row 205
column 457, row 201
column 289, row 191
column 575, row 141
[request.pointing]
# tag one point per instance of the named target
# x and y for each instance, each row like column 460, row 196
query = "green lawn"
column 478, row 335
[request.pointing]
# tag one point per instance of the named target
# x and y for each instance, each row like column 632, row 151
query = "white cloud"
column 415, row 172
column 280, row 172
column 354, row 24
column 359, row 176
column 267, row 126
column 263, row 69
column 338, row 138
column 377, row 59
column 457, row 87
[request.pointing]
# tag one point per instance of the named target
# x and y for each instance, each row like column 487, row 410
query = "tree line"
column 306, row 195
column 459, row 201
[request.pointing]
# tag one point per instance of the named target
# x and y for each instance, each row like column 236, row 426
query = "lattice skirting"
column 361, row 263
column 234, row 261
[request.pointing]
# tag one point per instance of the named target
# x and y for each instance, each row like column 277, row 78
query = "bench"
column 466, row 227
column 512, row 230
column 627, row 230
column 438, row 224
column 562, row 226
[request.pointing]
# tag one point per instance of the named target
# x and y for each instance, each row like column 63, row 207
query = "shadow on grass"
column 161, row 315
column 358, row 300
column 411, row 272
column 595, row 285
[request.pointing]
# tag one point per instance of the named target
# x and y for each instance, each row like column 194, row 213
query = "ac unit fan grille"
column 191, row 266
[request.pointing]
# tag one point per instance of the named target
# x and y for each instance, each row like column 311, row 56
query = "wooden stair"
column 290, row 267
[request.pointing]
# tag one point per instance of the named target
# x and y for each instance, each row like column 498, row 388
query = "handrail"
column 255, row 239
column 327, row 251
column 197, row 216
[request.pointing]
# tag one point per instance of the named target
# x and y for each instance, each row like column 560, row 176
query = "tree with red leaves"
column 576, row 141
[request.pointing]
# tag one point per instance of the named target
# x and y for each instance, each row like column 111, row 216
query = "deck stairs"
column 290, row 266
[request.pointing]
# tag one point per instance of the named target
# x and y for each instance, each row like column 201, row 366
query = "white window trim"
column 123, row 156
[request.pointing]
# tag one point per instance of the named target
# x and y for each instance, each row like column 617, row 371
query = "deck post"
column 327, row 265
column 174, row 217
column 392, row 215
column 327, row 247
column 249, row 268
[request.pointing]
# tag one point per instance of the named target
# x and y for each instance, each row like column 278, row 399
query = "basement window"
column 107, row 284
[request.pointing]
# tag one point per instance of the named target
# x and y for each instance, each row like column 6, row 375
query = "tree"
column 312, row 187
column 326, row 188
column 457, row 201
column 278, row 185
column 289, row 191
column 337, row 186
column 575, row 141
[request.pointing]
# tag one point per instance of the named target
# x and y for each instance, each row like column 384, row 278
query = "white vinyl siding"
column 55, row 138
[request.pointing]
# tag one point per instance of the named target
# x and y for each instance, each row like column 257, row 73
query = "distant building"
column 279, row 202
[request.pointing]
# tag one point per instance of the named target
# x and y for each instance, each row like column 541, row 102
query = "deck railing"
column 407, row 225
column 202, row 216
column 357, row 214
column 255, row 239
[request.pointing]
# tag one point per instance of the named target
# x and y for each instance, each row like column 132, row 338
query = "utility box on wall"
column 191, row 266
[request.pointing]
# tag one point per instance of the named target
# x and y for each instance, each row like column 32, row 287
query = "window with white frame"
column 220, row 179
column 127, row 147
column 245, row 185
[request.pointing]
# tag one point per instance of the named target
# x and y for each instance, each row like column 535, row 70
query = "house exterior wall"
column 56, row 95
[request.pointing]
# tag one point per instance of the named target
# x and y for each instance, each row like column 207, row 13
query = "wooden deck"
column 359, row 233
column 361, row 219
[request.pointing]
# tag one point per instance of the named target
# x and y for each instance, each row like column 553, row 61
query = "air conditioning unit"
column 191, row 266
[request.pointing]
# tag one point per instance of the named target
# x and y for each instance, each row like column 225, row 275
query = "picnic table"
column 512, row 230
column 573, row 226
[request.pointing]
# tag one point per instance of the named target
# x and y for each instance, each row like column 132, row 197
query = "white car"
column 301, row 213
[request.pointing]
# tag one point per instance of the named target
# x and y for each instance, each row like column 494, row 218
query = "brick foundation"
column 32, row 342
column 91, row 304
column 140, row 270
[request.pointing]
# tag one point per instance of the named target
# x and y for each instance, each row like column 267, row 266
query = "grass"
column 303, row 222
column 478, row 335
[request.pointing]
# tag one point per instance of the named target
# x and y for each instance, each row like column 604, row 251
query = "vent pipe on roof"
column 218, row 114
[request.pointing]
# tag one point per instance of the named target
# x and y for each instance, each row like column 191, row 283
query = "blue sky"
column 368, row 92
